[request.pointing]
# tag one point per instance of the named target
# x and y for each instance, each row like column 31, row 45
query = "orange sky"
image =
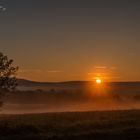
column 72, row 40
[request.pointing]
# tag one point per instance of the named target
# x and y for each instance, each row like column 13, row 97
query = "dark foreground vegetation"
column 106, row 125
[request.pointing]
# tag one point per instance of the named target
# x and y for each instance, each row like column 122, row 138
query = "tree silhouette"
column 7, row 73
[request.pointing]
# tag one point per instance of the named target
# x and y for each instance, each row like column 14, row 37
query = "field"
column 109, row 112
column 97, row 125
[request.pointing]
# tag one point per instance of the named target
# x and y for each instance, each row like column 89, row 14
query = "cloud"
column 29, row 70
column 105, row 67
column 113, row 68
column 100, row 67
column 108, row 73
column 53, row 71
column 38, row 71
column 2, row 8
column 96, row 73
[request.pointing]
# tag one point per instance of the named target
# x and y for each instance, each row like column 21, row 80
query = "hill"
column 34, row 85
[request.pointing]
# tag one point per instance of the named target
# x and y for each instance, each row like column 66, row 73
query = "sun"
column 98, row 81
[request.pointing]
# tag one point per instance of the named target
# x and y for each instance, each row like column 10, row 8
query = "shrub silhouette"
column 7, row 73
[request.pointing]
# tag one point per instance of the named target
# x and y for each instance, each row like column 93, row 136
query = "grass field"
column 98, row 125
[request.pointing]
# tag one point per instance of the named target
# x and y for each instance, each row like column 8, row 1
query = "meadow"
column 97, row 125
column 71, row 111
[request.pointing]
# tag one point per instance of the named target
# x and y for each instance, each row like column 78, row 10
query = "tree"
column 7, row 73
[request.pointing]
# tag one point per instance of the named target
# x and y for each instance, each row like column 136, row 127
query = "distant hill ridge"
column 29, row 82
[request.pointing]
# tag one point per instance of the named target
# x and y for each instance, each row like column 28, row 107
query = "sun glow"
column 98, row 81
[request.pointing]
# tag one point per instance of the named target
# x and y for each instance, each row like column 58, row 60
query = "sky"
column 66, row 40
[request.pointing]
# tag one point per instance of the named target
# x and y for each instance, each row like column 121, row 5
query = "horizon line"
column 29, row 80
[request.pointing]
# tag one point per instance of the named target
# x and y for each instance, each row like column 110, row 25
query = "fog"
column 41, row 102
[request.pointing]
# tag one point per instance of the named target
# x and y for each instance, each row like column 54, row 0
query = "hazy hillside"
column 126, row 87
column 33, row 97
